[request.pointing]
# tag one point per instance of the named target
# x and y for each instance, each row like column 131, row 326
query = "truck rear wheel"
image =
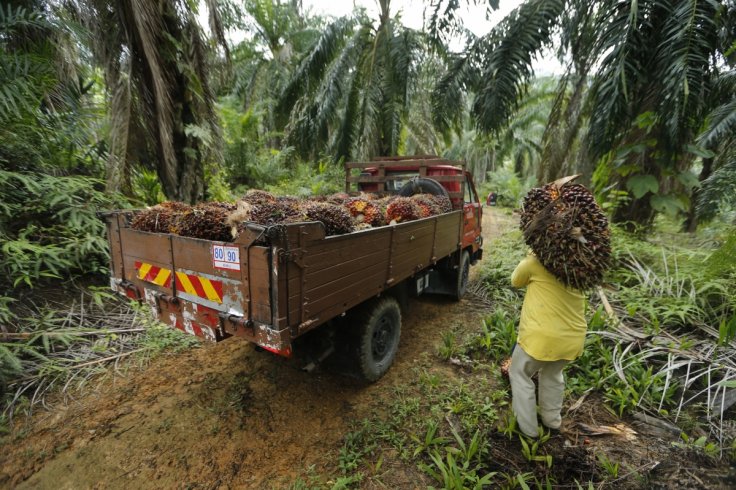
column 463, row 275
column 376, row 337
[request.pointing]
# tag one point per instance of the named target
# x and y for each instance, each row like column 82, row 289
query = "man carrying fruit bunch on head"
column 551, row 334
column 571, row 251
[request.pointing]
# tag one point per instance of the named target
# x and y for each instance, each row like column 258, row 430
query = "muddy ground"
column 228, row 416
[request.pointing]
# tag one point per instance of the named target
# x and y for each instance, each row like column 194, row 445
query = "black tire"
column 376, row 330
column 463, row 275
column 423, row 185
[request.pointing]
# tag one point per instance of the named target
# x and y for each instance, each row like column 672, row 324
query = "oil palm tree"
column 349, row 95
column 650, row 66
column 279, row 32
column 154, row 58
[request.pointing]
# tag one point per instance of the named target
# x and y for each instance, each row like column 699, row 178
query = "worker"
column 491, row 199
column 551, row 334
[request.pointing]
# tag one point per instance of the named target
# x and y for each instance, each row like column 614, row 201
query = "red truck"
column 274, row 284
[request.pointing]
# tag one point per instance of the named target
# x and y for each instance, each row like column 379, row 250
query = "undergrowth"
column 52, row 350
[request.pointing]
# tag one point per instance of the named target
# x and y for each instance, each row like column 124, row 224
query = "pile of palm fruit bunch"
column 207, row 220
column 365, row 211
column 568, row 232
column 340, row 213
column 159, row 218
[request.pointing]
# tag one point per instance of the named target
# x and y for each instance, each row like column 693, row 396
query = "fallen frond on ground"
column 57, row 348
column 696, row 366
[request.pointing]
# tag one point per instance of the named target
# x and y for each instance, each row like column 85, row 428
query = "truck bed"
column 272, row 284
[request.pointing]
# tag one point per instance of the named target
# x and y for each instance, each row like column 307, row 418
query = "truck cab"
column 391, row 175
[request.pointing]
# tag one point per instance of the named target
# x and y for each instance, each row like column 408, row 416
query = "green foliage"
column 530, row 449
column 50, row 346
column 509, row 187
column 49, row 158
column 498, row 335
column 350, row 93
column 159, row 338
column 641, row 184
column 609, row 466
column 699, row 445
column 461, row 466
column 308, row 179
column 720, row 261
column 49, row 226
column 667, row 287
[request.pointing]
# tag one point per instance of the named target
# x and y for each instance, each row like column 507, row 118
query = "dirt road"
column 221, row 416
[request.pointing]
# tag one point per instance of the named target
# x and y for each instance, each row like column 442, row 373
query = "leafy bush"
column 49, row 227
column 311, row 180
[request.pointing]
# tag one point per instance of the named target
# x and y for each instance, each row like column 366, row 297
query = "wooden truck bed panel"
column 288, row 280
column 351, row 294
column 330, row 275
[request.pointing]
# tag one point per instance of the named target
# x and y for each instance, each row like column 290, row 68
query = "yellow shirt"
column 552, row 325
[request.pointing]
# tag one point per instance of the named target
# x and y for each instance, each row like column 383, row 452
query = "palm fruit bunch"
column 258, row 197
column 443, row 203
column 159, row 218
column 265, row 212
column 402, row 209
column 337, row 219
column 426, row 204
column 364, row 211
column 568, row 232
column 207, row 220
column 338, row 198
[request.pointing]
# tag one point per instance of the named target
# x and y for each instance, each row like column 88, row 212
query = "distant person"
column 491, row 200
column 551, row 334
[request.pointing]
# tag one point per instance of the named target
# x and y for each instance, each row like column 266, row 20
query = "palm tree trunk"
column 562, row 128
column 691, row 221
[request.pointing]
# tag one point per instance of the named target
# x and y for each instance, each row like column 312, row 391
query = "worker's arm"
column 522, row 273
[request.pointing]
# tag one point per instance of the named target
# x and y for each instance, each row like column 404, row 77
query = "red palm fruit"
column 363, row 211
column 426, row 204
column 256, row 197
column 443, row 203
column 338, row 198
column 208, row 221
column 402, row 209
column 336, row 219
column 568, row 232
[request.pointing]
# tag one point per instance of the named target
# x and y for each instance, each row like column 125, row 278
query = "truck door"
column 471, row 216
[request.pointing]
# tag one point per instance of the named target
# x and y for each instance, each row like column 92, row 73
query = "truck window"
column 396, row 180
column 469, row 195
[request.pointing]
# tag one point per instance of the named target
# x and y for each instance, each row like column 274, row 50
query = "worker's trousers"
column 551, row 391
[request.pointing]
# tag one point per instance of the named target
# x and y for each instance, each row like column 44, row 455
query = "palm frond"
column 717, row 190
column 314, row 63
column 444, row 22
column 612, row 93
column 450, row 93
column 684, row 63
column 721, row 122
column 146, row 24
column 507, row 68
column 217, row 27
